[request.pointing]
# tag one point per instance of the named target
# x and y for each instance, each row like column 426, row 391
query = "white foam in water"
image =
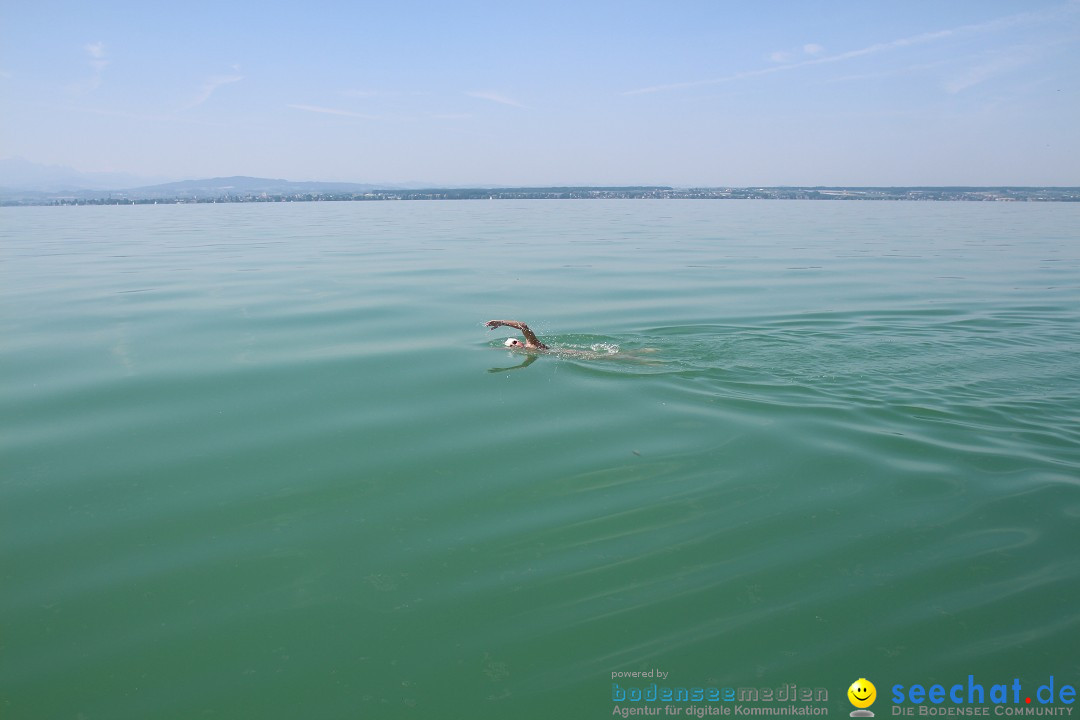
column 606, row 348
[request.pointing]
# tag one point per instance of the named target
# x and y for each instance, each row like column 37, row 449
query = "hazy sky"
column 945, row 92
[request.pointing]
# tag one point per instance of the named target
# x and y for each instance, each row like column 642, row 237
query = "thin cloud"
column 362, row 94
column 495, row 98
column 211, row 86
column 96, row 51
column 891, row 72
column 98, row 62
column 333, row 111
column 982, row 72
column 786, row 56
column 368, row 94
column 913, row 40
column 141, row 117
column 871, row 50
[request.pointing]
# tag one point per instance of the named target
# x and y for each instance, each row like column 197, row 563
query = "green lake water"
column 265, row 461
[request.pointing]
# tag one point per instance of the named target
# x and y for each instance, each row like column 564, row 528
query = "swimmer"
column 531, row 343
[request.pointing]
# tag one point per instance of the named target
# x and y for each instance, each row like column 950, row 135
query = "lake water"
column 265, row 461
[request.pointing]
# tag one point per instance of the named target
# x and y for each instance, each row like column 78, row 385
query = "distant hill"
column 20, row 175
column 241, row 185
column 24, row 182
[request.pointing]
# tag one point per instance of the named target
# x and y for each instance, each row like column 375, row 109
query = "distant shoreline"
column 207, row 192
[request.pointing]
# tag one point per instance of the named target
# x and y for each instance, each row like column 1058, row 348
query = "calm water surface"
column 264, row 461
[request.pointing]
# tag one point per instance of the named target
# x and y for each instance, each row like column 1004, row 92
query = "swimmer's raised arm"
column 530, row 337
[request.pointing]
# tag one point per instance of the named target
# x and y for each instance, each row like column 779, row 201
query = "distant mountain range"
column 20, row 175
column 240, row 185
column 26, row 183
column 22, row 180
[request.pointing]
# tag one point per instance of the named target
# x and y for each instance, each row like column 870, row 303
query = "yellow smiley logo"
column 862, row 693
